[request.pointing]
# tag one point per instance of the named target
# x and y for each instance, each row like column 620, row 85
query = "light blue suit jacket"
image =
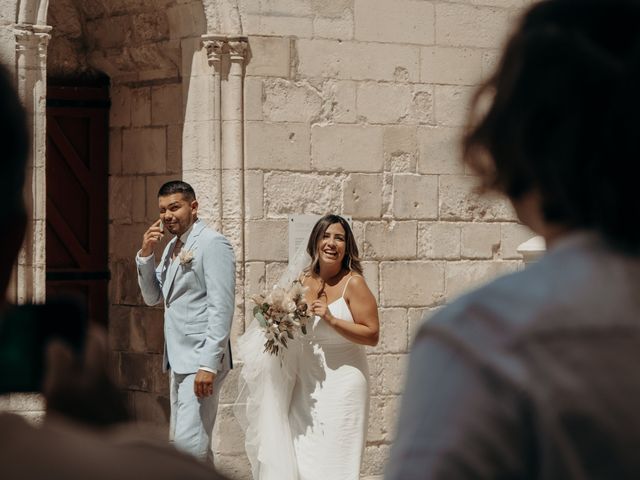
column 199, row 299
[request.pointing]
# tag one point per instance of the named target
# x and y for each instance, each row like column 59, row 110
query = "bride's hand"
column 319, row 307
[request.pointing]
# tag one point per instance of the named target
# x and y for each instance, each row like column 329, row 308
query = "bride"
column 305, row 414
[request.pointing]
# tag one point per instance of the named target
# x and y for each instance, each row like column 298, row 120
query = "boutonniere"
column 186, row 257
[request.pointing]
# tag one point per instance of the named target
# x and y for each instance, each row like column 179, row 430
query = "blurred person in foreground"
column 84, row 434
column 534, row 375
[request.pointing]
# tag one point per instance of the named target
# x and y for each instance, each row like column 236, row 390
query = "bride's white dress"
column 305, row 419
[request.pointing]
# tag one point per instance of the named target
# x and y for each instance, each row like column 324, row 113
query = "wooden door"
column 77, row 196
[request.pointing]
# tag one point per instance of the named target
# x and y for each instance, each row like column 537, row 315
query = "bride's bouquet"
column 281, row 314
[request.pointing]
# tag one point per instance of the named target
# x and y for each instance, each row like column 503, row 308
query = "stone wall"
column 356, row 107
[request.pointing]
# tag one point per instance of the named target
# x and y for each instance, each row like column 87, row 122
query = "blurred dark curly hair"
column 563, row 117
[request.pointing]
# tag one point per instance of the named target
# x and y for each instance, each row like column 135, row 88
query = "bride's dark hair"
column 351, row 260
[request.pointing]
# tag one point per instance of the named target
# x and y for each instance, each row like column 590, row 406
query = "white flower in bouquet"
column 281, row 313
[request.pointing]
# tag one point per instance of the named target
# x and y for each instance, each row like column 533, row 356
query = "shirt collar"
column 185, row 236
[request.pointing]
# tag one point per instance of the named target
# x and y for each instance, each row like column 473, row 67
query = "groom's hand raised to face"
column 203, row 383
column 151, row 237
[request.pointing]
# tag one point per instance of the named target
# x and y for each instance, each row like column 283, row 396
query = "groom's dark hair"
column 177, row 186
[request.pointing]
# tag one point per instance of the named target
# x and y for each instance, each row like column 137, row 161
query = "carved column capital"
column 217, row 45
column 32, row 37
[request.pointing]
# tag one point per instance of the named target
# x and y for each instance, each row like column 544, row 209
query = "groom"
column 196, row 280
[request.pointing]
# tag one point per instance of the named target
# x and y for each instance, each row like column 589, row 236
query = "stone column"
column 31, row 63
column 227, row 56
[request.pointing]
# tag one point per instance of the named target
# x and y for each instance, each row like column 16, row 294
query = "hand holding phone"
column 151, row 238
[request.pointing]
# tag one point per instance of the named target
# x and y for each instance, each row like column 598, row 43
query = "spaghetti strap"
column 344, row 290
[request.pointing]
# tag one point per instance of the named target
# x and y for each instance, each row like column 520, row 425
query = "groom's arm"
column 220, row 281
column 148, row 279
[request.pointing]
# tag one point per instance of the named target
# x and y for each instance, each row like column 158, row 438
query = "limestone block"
column 141, row 107
column 125, row 240
column 288, row 193
column 366, row 61
column 405, row 21
column 207, row 187
column 393, row 331
column 232, row 198
column 152, row 408
column 466, row 275
column 400, row 148
column 439, row 240
column 394, row 103
column 361, row 196
column 139, row 199
column 411, row 284
column 465, row 25
column 295, row 8
column 228, row 438
column 386, row 373
column 370, row 274
column 499, row 3
column 331, row 8
column 7, row 42
column 270, row 56
column 119, row 327
column 390, row 240
column 229, row 392
column 512, row 235
column 147, row 330
column 253, row 98
column 374, row 461
column 415, row 196
column 174, row 148
column 274, row 272
column 110, row 32
column 233, row 466
column 278, row 146
column 347, row 147
column 459, row 200
column 154, row 182
column 440, row 150
column 266, row 240
column 187, row 19
column 452, row 66
column 137, row 371
column 480, row 240
column 150, row 26
column 198, row 145
column 286, row 101
column 120, row 111
column 344, row 102
column 416, row 317
column 490, row 61
column 166, row 104
column 198, row 104
column 338, row 28
column 452, row 105
column 358, row 233
column 120, row 199
column 144, row 150
column 383, row 416
column 254, row 194
column 115, row 151
column 280, row 25
column 127, row 291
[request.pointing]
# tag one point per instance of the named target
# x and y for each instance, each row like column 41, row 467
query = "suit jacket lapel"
column 174, row 266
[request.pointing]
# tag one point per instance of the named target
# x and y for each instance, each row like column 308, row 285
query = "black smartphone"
column 25, row 331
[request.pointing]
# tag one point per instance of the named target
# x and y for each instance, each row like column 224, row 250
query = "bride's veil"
column 265, row 385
